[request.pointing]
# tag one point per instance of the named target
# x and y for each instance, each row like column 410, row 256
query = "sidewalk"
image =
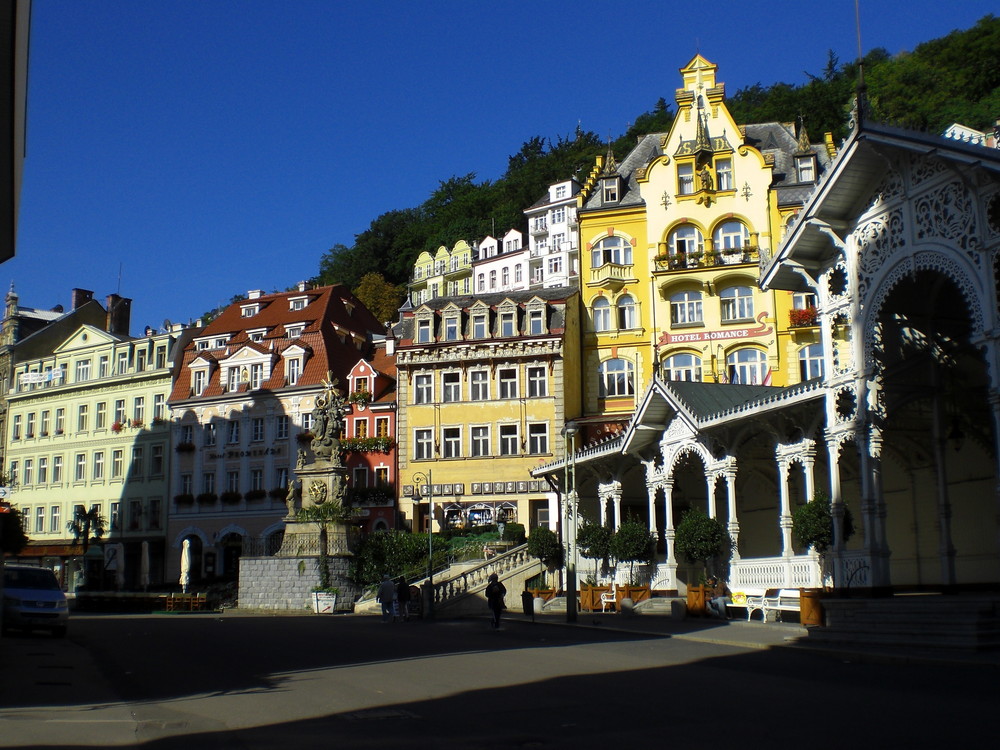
column 760, row 635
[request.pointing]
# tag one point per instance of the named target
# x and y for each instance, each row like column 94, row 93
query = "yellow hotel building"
column 673, row 237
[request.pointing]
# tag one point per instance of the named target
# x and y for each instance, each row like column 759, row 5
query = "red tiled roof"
column 337, row 330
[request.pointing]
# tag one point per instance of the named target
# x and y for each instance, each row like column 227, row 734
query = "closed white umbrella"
column 185, row 565
column 144, row 567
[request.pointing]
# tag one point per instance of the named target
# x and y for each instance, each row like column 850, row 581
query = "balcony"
column 711, row 259
column 612, row 275
column 539, row 226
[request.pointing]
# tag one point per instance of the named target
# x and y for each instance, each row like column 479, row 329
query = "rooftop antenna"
column 861, row 100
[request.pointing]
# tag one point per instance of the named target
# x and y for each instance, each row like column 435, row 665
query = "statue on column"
column 328, row 422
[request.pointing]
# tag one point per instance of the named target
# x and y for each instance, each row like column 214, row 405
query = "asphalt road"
column 256, row 682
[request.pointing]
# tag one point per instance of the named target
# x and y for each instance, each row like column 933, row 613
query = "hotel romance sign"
column 478, row 488
column 761, row 329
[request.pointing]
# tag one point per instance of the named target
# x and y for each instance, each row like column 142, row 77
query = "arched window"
column 602, row 314
column 811, row 362
column 517, row 274
column 493, row 279
column 505, row 276
column 626, row 312
column 747, row 367
column 737, row 303
column 685, row 308
column 617, row 378
column 682, row 367
column 611, row 250
column 686, row 240
column 482, row 282
column 731, row 235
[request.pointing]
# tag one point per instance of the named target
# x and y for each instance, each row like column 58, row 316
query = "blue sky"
column 181, row 152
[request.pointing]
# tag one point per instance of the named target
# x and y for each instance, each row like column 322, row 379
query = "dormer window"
column 425, row 331
column 233, row 382
column 248, row 311
column 451, row 328
column 508, row 324
column 479, row 327
column 560, row 191
column 298, row 303
column 293, row 368
column 257, row 335
column 536, row 322
column 201, row 346
column 200, row 381
column 805, row 167
column 611, row 190
column 219, row 343
column 294, row 331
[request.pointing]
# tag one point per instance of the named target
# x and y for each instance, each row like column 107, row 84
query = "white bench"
column 770, row 602
column 776, row 601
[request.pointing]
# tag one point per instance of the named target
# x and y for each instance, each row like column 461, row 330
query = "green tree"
column 594, row 542
column 633, row 543
column 381, row 298
column 700, row 539
column 87, row 526
column 544, row 544
column 396, row 553
column 12, row 536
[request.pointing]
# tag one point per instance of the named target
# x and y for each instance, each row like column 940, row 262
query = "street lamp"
column 418, row 479
column 569, row 487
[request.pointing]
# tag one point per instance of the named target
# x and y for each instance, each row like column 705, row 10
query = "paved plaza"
column 265, row 681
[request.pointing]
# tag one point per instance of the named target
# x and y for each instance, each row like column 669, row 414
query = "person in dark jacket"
column 495, row 592
column 403, row 599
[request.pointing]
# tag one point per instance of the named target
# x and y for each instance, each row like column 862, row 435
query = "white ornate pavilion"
column 901, row 244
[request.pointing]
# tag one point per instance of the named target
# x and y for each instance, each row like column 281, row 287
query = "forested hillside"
column 952, row 79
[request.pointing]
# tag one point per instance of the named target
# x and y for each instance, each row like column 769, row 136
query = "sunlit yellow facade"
column 672, row 239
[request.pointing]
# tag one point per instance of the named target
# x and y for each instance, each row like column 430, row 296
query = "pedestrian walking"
column 386, row 596
column 495, row 592
column 403, row 599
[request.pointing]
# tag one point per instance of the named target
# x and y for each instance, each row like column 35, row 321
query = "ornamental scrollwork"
column 947, row 214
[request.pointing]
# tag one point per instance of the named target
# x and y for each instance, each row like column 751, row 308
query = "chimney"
column 303, row 286
column 81, row 297
column 119, row 314
column 255, row 294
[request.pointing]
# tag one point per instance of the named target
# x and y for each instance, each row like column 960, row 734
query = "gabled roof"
column 702, row 405
column 854, row 174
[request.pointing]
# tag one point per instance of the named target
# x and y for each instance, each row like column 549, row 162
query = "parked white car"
column 33, row 600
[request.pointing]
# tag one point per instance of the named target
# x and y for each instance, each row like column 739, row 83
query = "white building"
column 554, row 237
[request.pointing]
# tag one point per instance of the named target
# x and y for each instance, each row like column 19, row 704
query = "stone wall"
column 286, row 583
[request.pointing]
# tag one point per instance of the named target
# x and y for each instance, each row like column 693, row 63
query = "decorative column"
column 603, row 501
column 710, row 486
column 946, row 550
column 669, row 534
column 612, row 490
column 734, row 523
column 785, row 520
column 651, row 497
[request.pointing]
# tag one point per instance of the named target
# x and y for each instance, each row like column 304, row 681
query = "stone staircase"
column 459, row 590
column 929, row 622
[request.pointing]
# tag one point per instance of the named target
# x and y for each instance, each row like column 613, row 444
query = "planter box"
column 696, row 601
column 324, row 603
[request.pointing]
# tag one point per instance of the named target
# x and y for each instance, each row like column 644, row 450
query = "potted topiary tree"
column 594, row 542
column 812, row 526
column 633, row 543
column 701, row 541
column 544, row 544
